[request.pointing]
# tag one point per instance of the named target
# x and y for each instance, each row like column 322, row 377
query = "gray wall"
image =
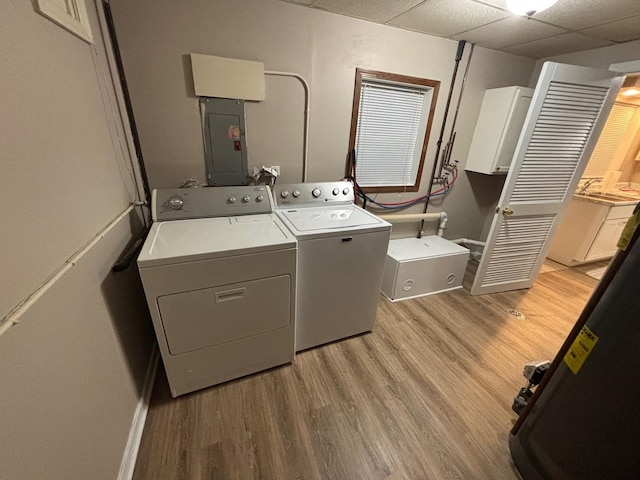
column 157, row 36
column 71, row 370
column 603, row 58
column 598, row 57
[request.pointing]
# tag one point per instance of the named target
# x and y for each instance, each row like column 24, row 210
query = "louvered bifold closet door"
column 556, row 146
column 567, row 112
column 516, row 250
column 559, row 137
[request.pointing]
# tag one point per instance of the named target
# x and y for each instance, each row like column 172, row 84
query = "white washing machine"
column 219, row 273
column 341, row 255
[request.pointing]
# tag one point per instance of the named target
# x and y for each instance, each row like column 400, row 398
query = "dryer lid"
column 187, row 240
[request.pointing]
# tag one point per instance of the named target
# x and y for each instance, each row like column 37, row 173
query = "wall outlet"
column 276, row 169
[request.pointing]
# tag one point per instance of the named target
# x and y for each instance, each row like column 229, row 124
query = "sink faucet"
column 585, row 186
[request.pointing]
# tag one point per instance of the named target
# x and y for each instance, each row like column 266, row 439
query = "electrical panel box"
column 497, row 132
column 225, row 144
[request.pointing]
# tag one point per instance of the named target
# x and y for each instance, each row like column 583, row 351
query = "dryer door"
column 211, row 316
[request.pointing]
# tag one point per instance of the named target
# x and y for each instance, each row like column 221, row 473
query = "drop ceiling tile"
column 501, row 4
column 579, row 14
column 447, row 17
column 375, row 10
column 619, row 31
column 299, row 2
column 509, row 31
column 557, row 45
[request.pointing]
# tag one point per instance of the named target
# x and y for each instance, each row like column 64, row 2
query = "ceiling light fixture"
column 528, row 7
column 631, row 86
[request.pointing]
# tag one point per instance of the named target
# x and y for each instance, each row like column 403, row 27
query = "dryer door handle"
column 227, row 295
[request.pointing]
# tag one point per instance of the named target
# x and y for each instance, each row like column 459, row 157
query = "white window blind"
column 610, row 139
column 391, row 126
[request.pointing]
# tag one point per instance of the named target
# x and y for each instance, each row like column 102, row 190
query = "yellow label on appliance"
column 629, row 229
column 580, row 349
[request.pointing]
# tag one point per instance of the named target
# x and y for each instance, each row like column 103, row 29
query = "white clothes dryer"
column 219, row 274
column 341, row 255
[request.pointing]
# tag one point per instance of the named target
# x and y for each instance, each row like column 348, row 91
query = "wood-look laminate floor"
column 427, row 395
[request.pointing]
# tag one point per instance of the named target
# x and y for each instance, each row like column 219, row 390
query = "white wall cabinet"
column 588, row 232
column 498, row 129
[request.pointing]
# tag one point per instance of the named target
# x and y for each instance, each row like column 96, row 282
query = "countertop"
column 624, row 193
column 612, row 199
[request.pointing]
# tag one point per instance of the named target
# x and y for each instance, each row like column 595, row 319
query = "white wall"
column 156, row 37
column 71, row 370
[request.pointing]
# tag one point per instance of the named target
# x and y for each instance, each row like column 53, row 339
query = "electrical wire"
column 359, row 193
column 408, row 203
column 192, row 183
column 400, row 206
column 438, row 192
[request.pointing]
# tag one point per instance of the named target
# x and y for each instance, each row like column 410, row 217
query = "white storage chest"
column 423, row 266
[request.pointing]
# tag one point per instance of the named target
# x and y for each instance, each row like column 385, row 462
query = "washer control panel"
column 313, row 193
column 185, row 203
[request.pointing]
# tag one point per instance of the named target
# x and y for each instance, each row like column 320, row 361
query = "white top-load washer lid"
column 329, row 218
column 403, row 249
column 204, row 238
column 323, row 209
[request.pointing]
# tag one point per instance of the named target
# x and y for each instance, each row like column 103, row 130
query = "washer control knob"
column 336, row 191
column 284, row 193
column 232, row 199
column 246, row 199
column 316, row 192
column 345, row 191
column 259, row 198
column 296, row 193
column 175, row 203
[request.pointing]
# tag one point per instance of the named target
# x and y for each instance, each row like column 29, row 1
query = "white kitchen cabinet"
column 589, row 231
column 604, row 245
column 498, row 129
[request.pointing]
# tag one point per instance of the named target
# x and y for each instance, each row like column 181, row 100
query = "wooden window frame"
column 362, row 74
column 72, row 16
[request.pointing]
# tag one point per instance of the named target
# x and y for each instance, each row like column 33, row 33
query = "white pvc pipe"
column 409, row 217
column 14, row 315
column 307, row 111
column 468, row 241
column 475, row 255
column 443, row 223
column 412, row 217
column 5, row 326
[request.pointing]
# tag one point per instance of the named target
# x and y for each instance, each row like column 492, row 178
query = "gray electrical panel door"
column 225, row 145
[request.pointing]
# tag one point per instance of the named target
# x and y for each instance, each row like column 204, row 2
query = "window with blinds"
column 391, row 121
column 610, row 140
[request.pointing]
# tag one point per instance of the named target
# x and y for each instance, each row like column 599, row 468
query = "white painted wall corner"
column 139, row 418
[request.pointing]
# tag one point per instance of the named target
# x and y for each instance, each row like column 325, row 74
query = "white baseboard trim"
column 130, row 455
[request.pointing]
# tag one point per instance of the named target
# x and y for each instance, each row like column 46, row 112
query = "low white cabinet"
column 423, row 266
column 589, row 232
